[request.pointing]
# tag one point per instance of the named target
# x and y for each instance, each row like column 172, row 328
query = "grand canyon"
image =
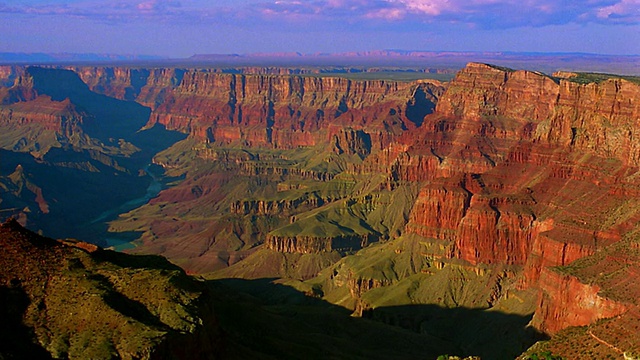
column 272, row 212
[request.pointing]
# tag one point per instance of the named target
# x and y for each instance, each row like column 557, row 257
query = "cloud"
column 386, row 14
column 338, row 10
column 429, row 7
column 311, row 13
column 479, row 13
column 99, row 10
column 625, row 11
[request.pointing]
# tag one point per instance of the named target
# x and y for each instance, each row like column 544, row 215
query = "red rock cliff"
column 282, row 111
column 547, row 163
column 601, row 117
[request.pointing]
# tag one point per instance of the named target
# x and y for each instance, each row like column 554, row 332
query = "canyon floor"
column 492, row 213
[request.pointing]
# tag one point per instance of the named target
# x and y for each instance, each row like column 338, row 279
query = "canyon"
column 503, row 199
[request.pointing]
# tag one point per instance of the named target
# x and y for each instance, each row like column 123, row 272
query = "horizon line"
column 361, row 53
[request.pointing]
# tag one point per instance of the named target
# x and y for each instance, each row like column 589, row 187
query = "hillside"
column 69, row 299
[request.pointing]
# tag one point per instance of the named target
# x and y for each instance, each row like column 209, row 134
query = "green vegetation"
column 98, row 305
column 545, row 355
column 501, row 68
column 587, row 78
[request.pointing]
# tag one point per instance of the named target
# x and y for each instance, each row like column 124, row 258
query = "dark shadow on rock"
column 18, row 340
column 266, row 292
column 420, row 106
column 153, row 140
column 126, row 306
column 71, row 176
column 263, row 319
column 477, row 332
column 139, row 78
column 81, row 184
column 109, row 118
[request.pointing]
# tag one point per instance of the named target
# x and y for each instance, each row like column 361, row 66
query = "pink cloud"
column 479, row 13
column 625, row 10
column 145, row 6
column 429, row 7
column 387, row 14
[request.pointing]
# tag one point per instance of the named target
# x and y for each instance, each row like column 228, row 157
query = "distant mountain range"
column 401, row 53
column 392, row 58
column 545, row 62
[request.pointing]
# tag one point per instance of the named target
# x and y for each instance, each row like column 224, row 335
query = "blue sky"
column 180, row 28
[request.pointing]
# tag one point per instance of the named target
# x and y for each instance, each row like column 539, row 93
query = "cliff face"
column 280, row 111
column 565, row 301
column 275, row 111
column 316, row 244
column 481, row 90
column 599, row 117
column 49, row 115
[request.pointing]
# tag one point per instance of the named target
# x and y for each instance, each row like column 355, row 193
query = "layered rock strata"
column 526, row 170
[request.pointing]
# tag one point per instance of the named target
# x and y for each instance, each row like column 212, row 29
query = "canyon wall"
column 280, row 111
column 527, row 170
column 599, row 117
column 507, row 168
column 263, row 110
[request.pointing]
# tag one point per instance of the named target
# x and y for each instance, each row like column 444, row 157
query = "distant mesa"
column 546, row 62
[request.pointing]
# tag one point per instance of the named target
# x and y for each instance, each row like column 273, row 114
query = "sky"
column 181, row 28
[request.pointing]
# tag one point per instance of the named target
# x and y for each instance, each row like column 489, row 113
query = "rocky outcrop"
column 505, row 185
column 15, row 85
column 280, row 111
column 600, row 117
column 358, row 285
column 549, row 251
column 266, row 169
column 481, row 90
column 77, row 301
column 438, row 211
column 50, row 108
column 56, row 116
column 565, row 301
column 352, row 142
column 146, row 86
column 304, row 244
column 495, row 231
column 279, row 207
